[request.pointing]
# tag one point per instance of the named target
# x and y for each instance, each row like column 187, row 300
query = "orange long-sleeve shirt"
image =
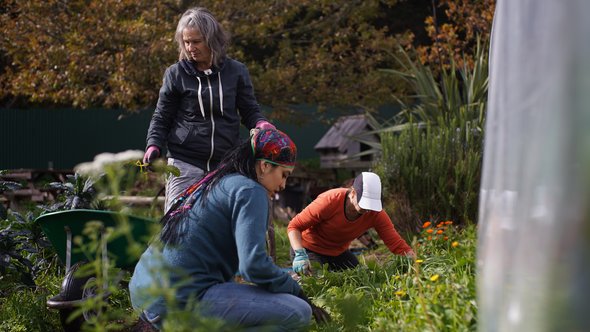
column 325, row 229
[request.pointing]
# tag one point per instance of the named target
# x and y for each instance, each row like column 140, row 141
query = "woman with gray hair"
column 203, row 99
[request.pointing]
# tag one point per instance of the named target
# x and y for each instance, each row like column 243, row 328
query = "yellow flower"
column 419, row 260
column 400, row 293
column 141, row 165
column 434, row 277
column 455, row 244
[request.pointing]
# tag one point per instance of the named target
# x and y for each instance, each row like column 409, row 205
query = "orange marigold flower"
column 448, row 222
column 429, row 230
column 455, row 244
column 440, row 224
column 426, row 224
column 430, row 238
column 439, row 231
column 445, row 238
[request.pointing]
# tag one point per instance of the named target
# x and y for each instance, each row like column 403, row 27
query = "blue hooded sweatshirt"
column 220, row 238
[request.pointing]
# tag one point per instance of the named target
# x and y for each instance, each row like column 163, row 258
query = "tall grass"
column 431, row 154
column 385, row 293
column 437, row 169
column 392, row 293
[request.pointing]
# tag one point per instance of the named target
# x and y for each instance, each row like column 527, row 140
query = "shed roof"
column 339, row 135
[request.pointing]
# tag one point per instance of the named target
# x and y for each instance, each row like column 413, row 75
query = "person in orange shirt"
column 323, row 231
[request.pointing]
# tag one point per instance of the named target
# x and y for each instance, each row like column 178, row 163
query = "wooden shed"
column 338, row 148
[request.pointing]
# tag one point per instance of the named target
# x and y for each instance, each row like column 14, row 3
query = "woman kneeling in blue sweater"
column 217, row 228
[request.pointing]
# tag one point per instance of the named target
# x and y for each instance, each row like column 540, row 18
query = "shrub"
column 435, row 170
column 24, row 310
column 431, row 157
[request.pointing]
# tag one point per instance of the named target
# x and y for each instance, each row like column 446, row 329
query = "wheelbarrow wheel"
column 76, row 288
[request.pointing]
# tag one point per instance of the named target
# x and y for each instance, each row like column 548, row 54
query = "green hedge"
column 436, row 169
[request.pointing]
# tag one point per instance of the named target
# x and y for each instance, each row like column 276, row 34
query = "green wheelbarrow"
column 61, row 228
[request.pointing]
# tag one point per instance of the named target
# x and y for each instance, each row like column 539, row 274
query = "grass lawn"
column 385, row 293
column 393, row 293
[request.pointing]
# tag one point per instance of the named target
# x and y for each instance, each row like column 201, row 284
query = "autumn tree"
column 454, row 29
column 107, row 53
column 112, row 53
column 318, row 52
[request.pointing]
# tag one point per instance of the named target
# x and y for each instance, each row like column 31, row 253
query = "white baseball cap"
column 368, row 191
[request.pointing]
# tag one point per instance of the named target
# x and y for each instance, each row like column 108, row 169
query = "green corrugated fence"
column 63, row 138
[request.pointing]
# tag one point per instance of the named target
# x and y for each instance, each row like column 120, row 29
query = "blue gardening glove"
column 301, row 263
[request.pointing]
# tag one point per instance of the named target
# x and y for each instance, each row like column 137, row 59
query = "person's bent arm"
column 301, row 263
column 295, row 239
column 411, row 254
column 246, row 102
column 164, row 114
column 391, row 237
column 250, row 227
column 312, row 215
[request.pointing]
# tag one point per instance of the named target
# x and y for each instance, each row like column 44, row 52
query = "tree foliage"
column 86, row 53
column 319, row 52
column 456, row 34
column 112, row 53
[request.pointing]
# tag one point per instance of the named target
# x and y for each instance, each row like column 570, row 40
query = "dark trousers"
column 346, row 260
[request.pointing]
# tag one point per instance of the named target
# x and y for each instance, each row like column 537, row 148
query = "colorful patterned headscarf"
column 275, row 147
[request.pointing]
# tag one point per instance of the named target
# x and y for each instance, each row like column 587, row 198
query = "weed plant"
column 392, row 293
column 384, row 293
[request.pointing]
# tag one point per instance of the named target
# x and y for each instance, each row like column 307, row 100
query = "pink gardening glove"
column 151, row 154
column 263, row 124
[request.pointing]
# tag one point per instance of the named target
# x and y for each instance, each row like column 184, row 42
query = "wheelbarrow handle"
column 68, row 247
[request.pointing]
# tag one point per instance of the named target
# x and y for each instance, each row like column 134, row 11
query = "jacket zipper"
column 212, row 124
